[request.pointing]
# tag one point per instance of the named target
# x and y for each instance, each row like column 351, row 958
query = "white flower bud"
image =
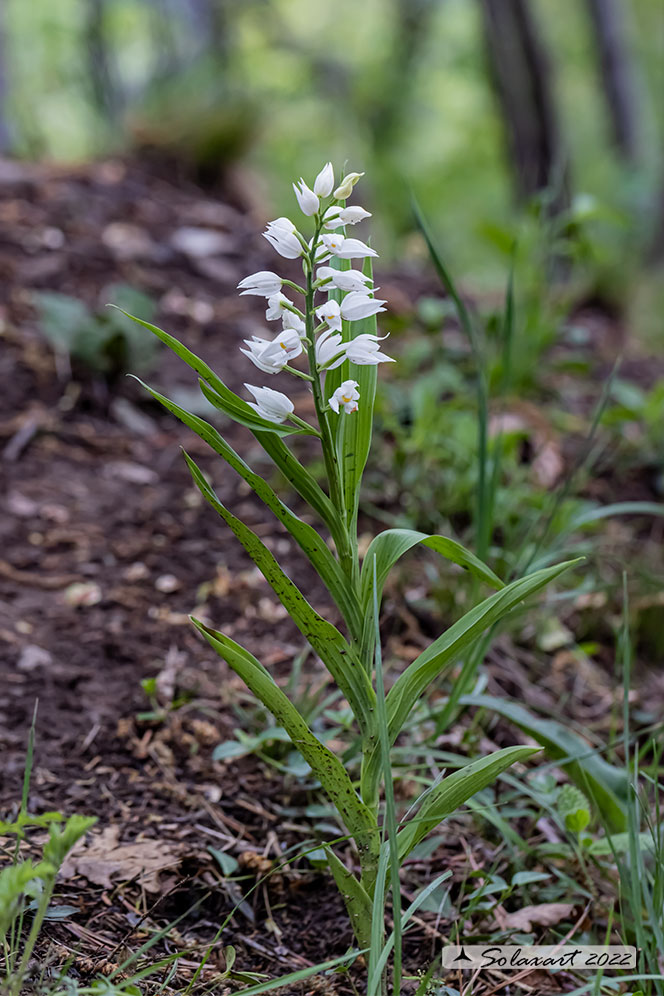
column 269, row 404
column 324, row 181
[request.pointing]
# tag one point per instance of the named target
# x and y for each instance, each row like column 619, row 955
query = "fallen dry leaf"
column 102, row 859
column 544, row 915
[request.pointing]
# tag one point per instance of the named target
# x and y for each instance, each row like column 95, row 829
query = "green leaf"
column 356, row 898
column 454, row 790
column 574, row 808
column 606, row 785
column 337, row 655
column 61, row 841
column 353, row 435
column 313, row 546
column 410, row 685
column 265, row 432
column 392, row 544
column 328, row 768
column 227, row 400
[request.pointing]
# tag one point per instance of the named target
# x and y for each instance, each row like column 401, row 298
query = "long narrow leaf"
column 356, row 898
column 410, row 685
column 234, row 406
column 323, row 561
column 326, row 765
column 327, row 641
column 454, row 790
column 608, row 786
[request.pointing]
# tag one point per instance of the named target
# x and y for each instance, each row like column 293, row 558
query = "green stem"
column 329, row 449
column 33, row 935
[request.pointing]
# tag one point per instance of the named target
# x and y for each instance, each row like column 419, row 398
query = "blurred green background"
column 425, row 95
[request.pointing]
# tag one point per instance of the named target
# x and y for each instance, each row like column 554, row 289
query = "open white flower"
column 347, row 248
column 265, row 283
column 330, row 313
column 330, row 350
column 347, row 280
column 357, row 305
column 365, row 351
column 324, row 181
column 293, row 321
column 306, row 198
column 281, row 236
column 269, row 404
column 346, row 396
column 271, row 356
column 335, row 217
column 276, row 306
column 345, row 187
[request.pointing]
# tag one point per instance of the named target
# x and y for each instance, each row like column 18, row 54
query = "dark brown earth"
column 95, row 493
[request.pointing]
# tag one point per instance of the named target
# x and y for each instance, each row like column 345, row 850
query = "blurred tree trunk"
column 521, row 75
column 411, row 24
column 103, row 82
column 619, row 75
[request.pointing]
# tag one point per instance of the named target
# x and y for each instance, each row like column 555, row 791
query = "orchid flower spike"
column 265, row 283
column 269, row 404
column 346, row 396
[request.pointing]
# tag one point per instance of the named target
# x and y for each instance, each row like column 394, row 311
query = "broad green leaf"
column 392, row 544
column 607, row 786
column 410, row 685
column 326, row 765
column 356, row 898
column 233, row 405
column 313, row 546
column 337, row 655
column 454, row 790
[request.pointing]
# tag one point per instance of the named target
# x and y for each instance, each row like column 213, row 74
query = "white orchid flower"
column 335, row 217
column 347, row 248
column 265, row 283
column 357, row 305
column 346, row 396
column 365, row 351
column 276, row 306
column 324, row 181
column 281, row 236
column 330, row 350
column 292, row 321
column 347, row 280
column 306, row 198
column 346, row 186
column 269, row 404
column 271, row 356
column 330, row 313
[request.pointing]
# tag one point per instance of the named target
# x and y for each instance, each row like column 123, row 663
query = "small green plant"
column 103, row 341
column 333, row 327
column 26, row 886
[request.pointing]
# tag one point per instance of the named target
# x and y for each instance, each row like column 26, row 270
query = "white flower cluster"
column 323, row 342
